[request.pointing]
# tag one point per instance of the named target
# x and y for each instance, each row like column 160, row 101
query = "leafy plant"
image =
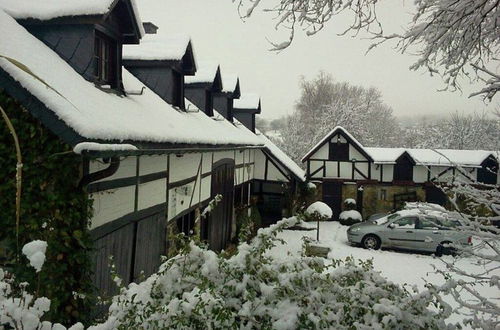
column 52, row 209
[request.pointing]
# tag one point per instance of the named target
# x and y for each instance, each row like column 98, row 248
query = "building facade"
column 382, row 179
column 144, row 120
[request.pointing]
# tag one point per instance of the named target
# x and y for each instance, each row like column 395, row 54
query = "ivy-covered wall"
column 53, row 209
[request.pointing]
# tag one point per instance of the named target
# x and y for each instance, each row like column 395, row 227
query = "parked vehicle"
column 409, row 229
column 376, row 216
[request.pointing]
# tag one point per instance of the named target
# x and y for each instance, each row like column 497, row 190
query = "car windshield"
column 386, row 219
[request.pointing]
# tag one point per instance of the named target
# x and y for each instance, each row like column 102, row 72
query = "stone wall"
column 375, row 200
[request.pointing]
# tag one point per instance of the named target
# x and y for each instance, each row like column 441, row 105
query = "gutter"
column 114, row 164
column 115, row 154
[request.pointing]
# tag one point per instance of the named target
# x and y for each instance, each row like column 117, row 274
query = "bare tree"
column 453, row 38
column 459, row 131
column 324, row 104
column 479, row 207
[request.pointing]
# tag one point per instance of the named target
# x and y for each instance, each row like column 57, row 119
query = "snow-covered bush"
column 20, row 309
column 35, row 252
column 251, row 289
column 318, row 211
column 350, row 217
column 350, row 204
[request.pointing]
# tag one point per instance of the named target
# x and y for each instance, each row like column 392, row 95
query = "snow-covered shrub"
column 20, row 309
column 350, row 217
column 251, row 289
column 35, row 252
column 318, row 211
column 350, row 204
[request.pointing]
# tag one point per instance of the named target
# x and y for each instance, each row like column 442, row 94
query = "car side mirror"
column 392, row 226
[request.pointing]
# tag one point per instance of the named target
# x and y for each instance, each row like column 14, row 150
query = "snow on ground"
column 397, row 266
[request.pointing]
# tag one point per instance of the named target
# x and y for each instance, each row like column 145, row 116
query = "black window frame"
column 187, row 223
column 178, row 90
column 105, row 60
column 209, row 102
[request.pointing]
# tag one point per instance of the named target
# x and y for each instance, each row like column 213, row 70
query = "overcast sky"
column 240, row 47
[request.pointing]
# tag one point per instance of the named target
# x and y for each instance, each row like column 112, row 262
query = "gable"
column 339, row 135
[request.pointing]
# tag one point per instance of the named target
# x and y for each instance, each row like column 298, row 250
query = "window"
column 405, row 223
column 382, row 195
column 339, row 151
column 428, row 223
column 209, row 103
column 186, row 223
column 403, row 170
column 178, row 90
column 105, row 60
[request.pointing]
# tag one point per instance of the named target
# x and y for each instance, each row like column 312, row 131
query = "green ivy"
column 53, row 209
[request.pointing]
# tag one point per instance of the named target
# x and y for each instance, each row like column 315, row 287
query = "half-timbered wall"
column 268, row 169
column 324, row 163
column 141, row 183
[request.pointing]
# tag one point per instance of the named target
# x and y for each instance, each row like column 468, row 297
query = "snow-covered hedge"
column 200, row 289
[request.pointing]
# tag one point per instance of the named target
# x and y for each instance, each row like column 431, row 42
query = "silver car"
column 409, row 230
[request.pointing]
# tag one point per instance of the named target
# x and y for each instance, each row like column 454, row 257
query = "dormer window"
column 105, row 60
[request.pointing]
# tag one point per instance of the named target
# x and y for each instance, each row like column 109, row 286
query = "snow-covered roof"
column 205, row 73
column 449, row 157
column 384, row 155
column 157, row 47
column 229, row 82
column 96, row 114
column 50, row 9
column 247, row 101
column 283, row 158
column 428, row 157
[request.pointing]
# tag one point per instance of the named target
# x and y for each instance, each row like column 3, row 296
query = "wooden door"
column 219, row 224
column 119, row 245
column 135, row 247
column 149, row 246
column 332, row 196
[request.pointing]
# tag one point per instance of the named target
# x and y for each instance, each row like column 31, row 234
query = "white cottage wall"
column 111, row 204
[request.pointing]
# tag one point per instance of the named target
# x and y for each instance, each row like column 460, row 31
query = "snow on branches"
column 449, row 36
column 251, row 289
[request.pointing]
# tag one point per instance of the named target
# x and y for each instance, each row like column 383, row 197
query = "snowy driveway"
column 397, row 266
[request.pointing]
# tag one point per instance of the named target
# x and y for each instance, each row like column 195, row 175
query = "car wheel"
column 445, row 250
column 371, row 242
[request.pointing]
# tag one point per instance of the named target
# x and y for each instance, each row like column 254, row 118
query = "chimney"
column 149, row 28
column 245, row 109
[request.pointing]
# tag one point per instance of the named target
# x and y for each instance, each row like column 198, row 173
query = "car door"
column 428, row 234
column 401, row 233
